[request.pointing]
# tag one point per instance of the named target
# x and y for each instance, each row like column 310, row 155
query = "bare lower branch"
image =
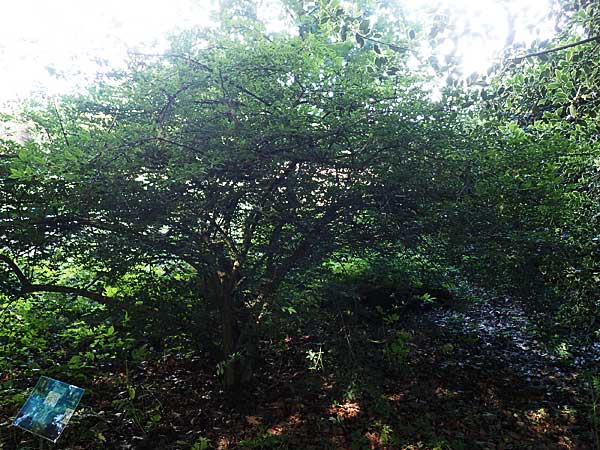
column 31, row 288
column 27, row 287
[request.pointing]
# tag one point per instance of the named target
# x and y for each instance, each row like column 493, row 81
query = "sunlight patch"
column 346, row 410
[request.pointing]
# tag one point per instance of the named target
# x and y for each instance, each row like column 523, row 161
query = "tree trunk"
column 230, row 333
column 239, row 345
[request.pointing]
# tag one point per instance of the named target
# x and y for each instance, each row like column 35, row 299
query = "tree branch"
column 60, row 122
column 556, row 49
column 176, row 56
column 96, row 296
column 303, row 249
column 257, row 213
column 15, row 269
column 27, row 287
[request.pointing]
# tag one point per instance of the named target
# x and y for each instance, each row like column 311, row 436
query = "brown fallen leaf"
column 253, row 421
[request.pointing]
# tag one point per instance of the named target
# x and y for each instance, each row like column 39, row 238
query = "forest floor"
column 473, row 377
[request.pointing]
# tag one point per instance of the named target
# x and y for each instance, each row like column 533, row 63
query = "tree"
column 531, row 222
column 242, row 156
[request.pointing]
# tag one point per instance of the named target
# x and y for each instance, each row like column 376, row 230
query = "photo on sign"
column 49, row 408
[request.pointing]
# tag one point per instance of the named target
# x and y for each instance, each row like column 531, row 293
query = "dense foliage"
column 243, row 162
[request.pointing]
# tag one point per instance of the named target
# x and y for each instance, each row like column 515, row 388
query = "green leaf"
column 75, row 361
column 359, row 40
column 381, row 61
column 364, row 26
column 573, row 110
column 131, row 392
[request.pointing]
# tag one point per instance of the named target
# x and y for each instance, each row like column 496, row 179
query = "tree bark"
column 230, row 334
column 238, row 343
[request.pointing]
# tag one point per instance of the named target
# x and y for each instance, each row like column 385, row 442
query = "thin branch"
column 31, row 288
column 170, row 101
column 556, row 49
column 15, row 269
column 225, row 235
column 176, row 56
column 303, row 249
column 257, row 213
column 254, row 96
column 124, row 229
column 393, row 47
column 62, row 128
column 27, row 287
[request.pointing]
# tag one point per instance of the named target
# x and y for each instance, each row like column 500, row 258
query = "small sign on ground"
column 49, row 408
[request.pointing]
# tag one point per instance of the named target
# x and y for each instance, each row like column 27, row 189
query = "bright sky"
column 39, row 38
column 486, row 26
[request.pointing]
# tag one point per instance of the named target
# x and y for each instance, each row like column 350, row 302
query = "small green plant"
column 388, row 318
column 131, row 410
column 140, row 353
column 315, row 359
column 427, row 298
column 337, row 420
column 223, row 364
column 354, row 389
column 154, row 418
column 397, row 352
column 447, row 349
column 289, row 310
column 562, row 351
column 134, row 403
column 386, row 433
column 202, row 443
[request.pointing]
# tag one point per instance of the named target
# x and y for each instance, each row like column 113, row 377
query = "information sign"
column 49, row 408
